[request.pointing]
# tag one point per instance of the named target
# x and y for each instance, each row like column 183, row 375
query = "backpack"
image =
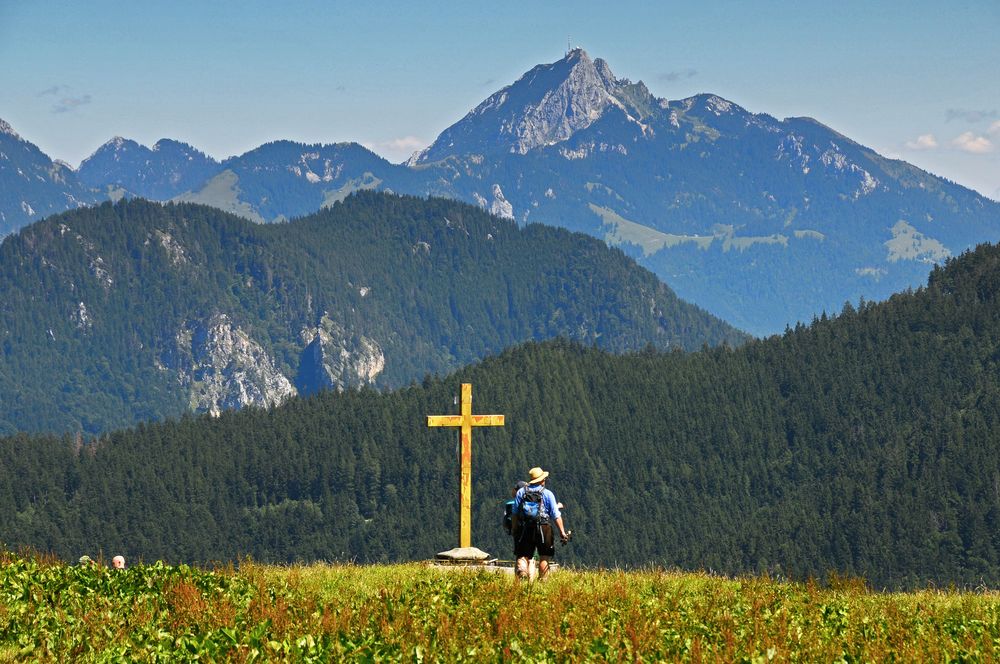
column 508, row 516
column 533, row 508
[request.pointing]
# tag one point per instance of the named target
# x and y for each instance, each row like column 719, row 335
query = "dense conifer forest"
column 865, row 443
column 104, row 311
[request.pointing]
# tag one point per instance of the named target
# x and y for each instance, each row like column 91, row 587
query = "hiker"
column 508, row 507
column 535, row 510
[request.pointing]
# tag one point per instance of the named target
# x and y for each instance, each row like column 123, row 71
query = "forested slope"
column 866, row 444
column 138, row 311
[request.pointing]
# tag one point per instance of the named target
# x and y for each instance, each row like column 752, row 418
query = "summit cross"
column 466, row 421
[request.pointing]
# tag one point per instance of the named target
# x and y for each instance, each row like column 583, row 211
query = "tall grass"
column 55, row 612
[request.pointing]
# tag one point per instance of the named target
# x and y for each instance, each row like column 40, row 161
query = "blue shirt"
column 548, row 502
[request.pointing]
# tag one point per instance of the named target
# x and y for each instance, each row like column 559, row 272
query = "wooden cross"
column 466, row 420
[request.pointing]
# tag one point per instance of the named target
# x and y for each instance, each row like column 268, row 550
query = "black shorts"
column 532, row 538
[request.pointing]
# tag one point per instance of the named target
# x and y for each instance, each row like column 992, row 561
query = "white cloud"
column 397, row 148
column 404, row 144
column 922, row 142
column 994, row 129
column 970, row 142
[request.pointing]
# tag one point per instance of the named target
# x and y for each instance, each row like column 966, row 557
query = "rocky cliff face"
column 222, row 367
column 547, row 105
column 335, row 359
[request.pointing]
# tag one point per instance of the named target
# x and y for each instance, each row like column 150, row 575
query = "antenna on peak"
column 569, row 47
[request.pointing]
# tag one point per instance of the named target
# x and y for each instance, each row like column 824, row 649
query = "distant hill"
column 864, row 444
column 274, row 182
column 283, row 179
column 122, row 167
column 136, row 311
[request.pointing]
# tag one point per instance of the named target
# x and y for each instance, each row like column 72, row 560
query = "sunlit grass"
column 55, row 612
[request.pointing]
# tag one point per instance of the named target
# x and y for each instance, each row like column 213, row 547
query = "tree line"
column 864, row 443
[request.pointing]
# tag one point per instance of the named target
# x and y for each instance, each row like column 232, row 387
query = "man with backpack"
column 535, row 510
column 508, row 507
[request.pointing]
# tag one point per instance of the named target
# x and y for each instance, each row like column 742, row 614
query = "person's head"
column 517, row 487
column 536, row 476
column 118, row 562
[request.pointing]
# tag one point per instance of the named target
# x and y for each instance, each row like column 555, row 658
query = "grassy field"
column 50, row 611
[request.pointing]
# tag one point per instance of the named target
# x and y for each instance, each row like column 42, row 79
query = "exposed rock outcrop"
column 222, row 367
column 501, row 207
column 335, row 359
column 547, row 105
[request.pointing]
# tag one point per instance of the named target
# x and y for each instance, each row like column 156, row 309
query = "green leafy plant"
column 55, row 612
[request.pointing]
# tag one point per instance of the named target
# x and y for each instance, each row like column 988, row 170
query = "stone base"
column 507, row 567
column 463, row 555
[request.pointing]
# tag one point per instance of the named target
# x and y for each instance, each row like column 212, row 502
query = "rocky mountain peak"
column 169, row 144
column 167, row 148
column 119, row 143
column 5, row 128
column 714, row 104
column 547, row 105
column 604, row 71
column 113, row 149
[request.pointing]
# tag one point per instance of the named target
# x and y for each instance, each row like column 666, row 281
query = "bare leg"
column 543, row 568
column 522, row 570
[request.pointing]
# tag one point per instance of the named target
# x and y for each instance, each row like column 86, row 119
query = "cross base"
column 463, row 555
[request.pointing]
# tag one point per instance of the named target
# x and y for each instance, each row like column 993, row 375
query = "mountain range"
column 136, row 311
column 761, row 221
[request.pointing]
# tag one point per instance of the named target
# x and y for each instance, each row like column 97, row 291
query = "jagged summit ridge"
column 547, row 105
column 119, row 145
column 579, row 100
column 113, row 148
column 127, row 167
column 5, row 128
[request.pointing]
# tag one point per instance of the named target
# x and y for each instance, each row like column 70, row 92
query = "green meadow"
column 50, row 611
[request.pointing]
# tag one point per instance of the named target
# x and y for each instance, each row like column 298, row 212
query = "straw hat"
column 537, row 475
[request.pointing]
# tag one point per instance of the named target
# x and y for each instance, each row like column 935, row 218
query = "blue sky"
column 914, row 80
